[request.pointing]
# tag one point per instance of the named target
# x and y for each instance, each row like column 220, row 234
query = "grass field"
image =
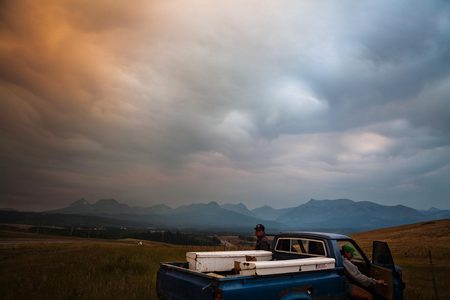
column 48, row 267
column 42, row 267
column 411, row 245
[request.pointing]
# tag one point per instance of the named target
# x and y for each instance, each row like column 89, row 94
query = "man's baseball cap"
column 259, row 227
column 349, row 249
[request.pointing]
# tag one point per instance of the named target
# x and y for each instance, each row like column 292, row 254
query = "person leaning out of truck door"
column 262, row 243
column 352, row 271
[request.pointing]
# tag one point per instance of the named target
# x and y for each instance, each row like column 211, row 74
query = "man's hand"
column 381, row 282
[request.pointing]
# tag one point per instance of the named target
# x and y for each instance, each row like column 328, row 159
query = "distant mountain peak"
column 266, row 206
column 267, row 212
column 349, row 214
column 80, row 202
column 107, row 201
column 327, row 202
column 331, row 200
column 433, row 209
column 160, row 206
column 239, row 208
column 240, row 205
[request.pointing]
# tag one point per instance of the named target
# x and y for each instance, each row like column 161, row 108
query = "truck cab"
column 312, row 244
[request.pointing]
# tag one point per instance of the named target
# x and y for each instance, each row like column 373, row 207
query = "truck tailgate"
column 175, row 281
column 326, row 284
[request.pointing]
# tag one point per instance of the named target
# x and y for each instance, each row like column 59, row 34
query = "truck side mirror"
column 381, row 255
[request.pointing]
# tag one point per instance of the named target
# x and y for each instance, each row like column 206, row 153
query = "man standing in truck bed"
column 262, row 243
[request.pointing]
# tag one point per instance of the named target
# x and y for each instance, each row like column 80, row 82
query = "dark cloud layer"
column 186, row 101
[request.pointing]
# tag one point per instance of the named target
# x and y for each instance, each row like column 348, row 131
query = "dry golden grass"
column 47, row 267
column 41, row 267
column 410, row 245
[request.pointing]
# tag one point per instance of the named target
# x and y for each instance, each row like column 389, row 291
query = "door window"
column 381, row 255
column 357, row 257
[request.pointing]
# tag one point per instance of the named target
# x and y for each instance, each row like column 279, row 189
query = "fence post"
column 436, row 296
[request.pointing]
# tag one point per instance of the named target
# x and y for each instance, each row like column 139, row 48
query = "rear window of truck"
column 301, row 246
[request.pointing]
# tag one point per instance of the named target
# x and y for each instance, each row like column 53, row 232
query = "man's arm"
column 354, row 273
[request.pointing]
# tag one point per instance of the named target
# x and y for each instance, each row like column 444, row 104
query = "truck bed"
column 176, row 281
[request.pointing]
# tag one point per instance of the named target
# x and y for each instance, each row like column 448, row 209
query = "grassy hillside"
column 411, row 246
column 47, row 267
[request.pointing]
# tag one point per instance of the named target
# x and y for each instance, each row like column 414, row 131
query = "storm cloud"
column 192, row 101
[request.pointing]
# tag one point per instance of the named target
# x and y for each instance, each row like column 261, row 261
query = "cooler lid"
column 230, row 254
column 286, row 263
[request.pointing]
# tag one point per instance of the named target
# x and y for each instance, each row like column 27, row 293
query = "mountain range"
column 340, row 215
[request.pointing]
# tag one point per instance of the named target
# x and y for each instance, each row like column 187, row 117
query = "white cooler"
column 219, row 261
column 284, row 266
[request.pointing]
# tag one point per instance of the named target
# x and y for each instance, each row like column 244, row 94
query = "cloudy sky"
column 260, row 102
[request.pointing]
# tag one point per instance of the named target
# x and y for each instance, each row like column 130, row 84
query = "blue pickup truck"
column 180, row 280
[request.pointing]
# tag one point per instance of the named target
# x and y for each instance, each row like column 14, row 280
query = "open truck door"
column 383, row 267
